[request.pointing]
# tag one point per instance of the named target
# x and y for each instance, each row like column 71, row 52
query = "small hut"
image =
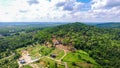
column 53, row 55
column 22, row 61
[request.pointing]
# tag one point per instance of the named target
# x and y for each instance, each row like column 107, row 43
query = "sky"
column 59, row 10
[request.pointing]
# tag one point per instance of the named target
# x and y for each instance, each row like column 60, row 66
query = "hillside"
column 101, row 44
column 109, row 25
column 74, row 45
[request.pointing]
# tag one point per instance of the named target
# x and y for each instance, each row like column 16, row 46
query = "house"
column 53, row 55
column 22, row 61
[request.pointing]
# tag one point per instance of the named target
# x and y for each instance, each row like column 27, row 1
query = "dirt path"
column 34, row 65
column 26, row 57
column 66, row 66
column 65, row 53
column 65, row 63
column 28, row 60
column 61, row 47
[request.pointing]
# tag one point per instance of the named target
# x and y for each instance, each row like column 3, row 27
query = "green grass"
column 61, row 66
column 45, row 50
column 85, row 56
column 58, row 53
column 27, row 66
column 77, row 57
column 26, row 48
column 72, row 57
column 81, row 65
column 80, row 58
column 46, row 62
column 39, row 65
column 70, row 65
column 49, row 62
column 34, row 51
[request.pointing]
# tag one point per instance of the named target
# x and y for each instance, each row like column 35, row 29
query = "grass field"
column 46, row 62
column 72, row 57
column 80, row 65
column 78, row 58
column 44, row 51
column 85, row 56
column 26, row 66
column 58, row 53
column 34, row 51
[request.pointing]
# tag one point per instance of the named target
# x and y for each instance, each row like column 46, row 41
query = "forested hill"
column 102, row 44
column 109, row 25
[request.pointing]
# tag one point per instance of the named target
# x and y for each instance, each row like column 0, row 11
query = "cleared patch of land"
column 39, row 56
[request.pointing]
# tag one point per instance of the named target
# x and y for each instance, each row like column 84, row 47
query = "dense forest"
column 100, row 43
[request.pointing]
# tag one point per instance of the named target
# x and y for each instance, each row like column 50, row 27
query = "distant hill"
column 109, row 25
column 8, row 28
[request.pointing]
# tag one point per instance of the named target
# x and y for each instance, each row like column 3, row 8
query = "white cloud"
column 59, row 10
column 97, row 4
column 36, row 12
column 106, row 10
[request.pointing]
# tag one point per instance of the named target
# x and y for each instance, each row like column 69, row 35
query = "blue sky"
column 84, row 1
column 59, row 10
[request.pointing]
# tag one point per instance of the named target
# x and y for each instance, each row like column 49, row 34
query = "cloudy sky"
column 59, row 10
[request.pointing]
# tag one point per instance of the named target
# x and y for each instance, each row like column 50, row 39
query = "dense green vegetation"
column 16, row 35
column 10, row 43
column 79, row 58
column 27, row 66
column 100, row 46
column 21, row 36
column 9, row 62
